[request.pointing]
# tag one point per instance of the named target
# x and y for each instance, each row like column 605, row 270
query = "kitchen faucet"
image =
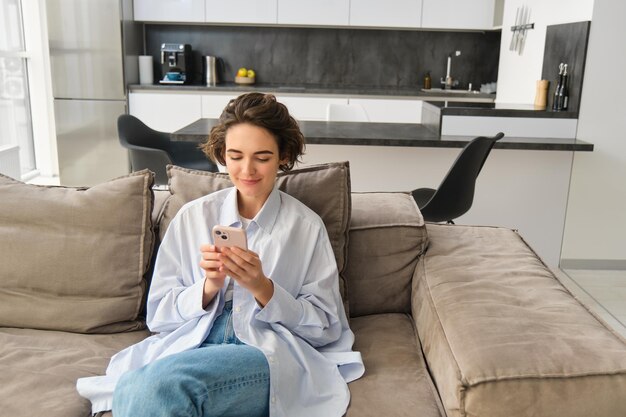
column 448, row 82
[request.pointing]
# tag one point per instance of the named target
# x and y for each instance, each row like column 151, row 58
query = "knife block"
column 541, row 94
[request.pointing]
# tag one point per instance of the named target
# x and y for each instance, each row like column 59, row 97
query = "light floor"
column 604, row 291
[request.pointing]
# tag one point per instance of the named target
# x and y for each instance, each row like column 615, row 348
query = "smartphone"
column 225, row 236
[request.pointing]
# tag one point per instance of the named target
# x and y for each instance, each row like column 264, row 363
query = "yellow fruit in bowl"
column 250, row 73
column 242, row 72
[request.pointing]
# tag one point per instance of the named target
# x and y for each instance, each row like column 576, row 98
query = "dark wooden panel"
column 566, row 43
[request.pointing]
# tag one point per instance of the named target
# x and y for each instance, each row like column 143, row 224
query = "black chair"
column 455, row 194
column 153, row 150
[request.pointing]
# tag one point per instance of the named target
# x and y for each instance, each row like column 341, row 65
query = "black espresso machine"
column 175, row 63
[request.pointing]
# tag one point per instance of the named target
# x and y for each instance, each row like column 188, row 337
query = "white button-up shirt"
column 303, row 330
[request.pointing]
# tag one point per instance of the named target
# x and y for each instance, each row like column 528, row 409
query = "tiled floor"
column 602, row 290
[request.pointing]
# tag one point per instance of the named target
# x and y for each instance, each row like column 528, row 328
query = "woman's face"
column 252, row 161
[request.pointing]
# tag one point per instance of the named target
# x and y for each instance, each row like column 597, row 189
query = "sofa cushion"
column 39, row 369
column 503, row 337
column 324, row 188
column 387, row 236
column 396, row 381
column 74, row 259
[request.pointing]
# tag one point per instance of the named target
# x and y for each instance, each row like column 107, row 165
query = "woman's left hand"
column 244, row 266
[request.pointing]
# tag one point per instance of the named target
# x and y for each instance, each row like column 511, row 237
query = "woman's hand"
column 214, row 278
column 244, row 266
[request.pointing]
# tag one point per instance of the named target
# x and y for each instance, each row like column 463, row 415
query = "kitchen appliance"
column 210, row 70
column 88, row 84
column 175, row 63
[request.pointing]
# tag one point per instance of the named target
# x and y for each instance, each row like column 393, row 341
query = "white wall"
column 517, row 74
column 519, row 189
column 595, row 226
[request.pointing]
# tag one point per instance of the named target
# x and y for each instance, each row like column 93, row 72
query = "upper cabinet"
column 241, row 11
column 458, row 14
column 320, row 12
column 169, row 10
column 410, row 14
column 389, row 13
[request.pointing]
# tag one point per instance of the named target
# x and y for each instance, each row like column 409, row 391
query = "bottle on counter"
column 555, row 101
column 564, row 92
column 427, row 81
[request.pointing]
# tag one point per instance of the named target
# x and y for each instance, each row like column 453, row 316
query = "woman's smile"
column 249, row 181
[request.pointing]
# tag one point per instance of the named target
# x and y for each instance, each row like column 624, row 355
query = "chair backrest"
column 346, row 113
column 133, row 131
column 147, row 147
column 455, row 194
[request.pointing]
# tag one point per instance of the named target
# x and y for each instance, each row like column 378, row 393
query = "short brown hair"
column 260, row 110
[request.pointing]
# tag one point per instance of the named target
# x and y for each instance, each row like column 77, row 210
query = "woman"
column 241, row 332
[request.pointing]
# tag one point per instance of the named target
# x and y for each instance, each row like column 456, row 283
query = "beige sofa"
column 451, row 320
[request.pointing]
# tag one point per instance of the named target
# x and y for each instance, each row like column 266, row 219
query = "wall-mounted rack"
column 523, row 27
column 522, row 24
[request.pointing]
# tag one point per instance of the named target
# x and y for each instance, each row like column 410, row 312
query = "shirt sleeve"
column 316, row 314
column 174, row 296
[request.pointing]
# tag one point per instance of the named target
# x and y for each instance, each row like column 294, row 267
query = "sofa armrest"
column 502, row 336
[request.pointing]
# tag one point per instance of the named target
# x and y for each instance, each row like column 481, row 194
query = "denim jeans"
column 222, row 377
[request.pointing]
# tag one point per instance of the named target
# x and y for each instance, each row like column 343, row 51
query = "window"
column 15, row 113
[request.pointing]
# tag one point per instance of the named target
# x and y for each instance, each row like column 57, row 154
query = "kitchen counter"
column 326, row 90
column 454, row 108
column 391, row 134
column 480, row 119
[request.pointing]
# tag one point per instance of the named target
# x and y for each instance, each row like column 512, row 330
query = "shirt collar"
column 229, row 215
column 265, row 218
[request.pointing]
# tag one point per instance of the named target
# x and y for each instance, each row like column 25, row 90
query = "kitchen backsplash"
column 331, row 57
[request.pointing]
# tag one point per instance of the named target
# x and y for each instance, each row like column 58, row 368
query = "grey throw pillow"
column 74, row 259
column 324, row 188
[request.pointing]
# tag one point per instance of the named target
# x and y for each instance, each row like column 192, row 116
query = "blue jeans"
column 222, row 377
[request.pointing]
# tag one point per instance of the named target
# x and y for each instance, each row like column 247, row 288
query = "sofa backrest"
column 387, row 237
column 324, row 188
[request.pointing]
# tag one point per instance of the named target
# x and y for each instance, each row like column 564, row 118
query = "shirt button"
column 237, row 309
column 273, row 400
column 270, row 359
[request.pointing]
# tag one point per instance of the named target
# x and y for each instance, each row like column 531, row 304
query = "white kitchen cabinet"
column 308, row 107
column 391, row 110
column 169, row 112
column 169, row 10
column 164, row 111
column 320, row 12
column 389, row 13
column 458, row 14
column 241, row 11
column 213, row 104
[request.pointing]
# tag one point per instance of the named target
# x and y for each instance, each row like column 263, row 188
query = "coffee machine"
column 175, row 63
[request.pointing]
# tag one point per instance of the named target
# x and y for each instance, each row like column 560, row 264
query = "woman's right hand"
column 214, row 279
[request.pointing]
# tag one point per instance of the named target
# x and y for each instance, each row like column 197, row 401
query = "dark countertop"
column 390, row 134
column 451, row 108
column 433, row 94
